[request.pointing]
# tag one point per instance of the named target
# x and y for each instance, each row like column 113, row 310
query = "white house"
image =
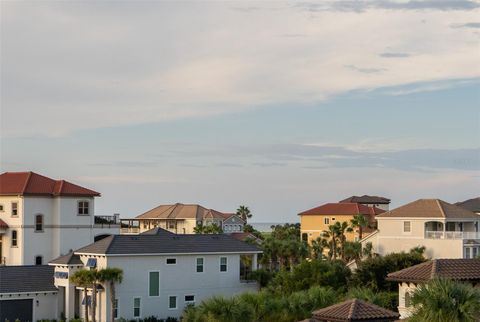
column 446, row 230
column 182, row 219
column 42, row 218
column 162, row 273
column 461, row 270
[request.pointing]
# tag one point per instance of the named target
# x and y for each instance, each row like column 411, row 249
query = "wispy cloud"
column 394, row 55
column 474, row 25
column 366, row 70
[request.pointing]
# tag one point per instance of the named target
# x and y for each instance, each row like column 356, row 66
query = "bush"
column 262, row 276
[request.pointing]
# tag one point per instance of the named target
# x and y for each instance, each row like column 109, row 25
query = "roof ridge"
column 26, row 182
column 351, row 311
column 434, row 268
column 110, row 244
column 441, row 207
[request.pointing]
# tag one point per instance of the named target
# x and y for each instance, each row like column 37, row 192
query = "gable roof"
column 31, row 183
column 31, row 278
column 181, row 211
column 429, row 208
column 456, row 269
column 162, row 243
column 354, row 310
column 343, row 208
column 367, row 199
column 68, row 259
column 470, row 204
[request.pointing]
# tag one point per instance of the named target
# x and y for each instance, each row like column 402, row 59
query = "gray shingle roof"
column 367, row 199
column 470, row 204
column 68, row 259
column 19, row 279
column 167, row 244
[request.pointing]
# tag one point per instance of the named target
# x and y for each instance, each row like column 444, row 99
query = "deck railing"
column 430, row 234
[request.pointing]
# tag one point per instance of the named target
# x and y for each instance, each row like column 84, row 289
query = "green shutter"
column 154, row 289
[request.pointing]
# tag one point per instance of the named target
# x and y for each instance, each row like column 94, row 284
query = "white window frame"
column 220, row 264
column 149, row 272
column 35, row 223
column 139, row 307
column 326, row 221
column 189, row 302
column 176, row 302
column 409, row 227
column 196, row 265
column 14, row 239
column 166, row 261
column 16, row 208
column 116, row 305
column 83, row 208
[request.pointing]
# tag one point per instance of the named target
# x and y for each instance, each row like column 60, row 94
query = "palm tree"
column 331, row 234
column 353, row 251
column 83, row 278
column 361, row 222
column 367, row 251
column 443, row 300
column 244, row 213
column 111, row 276
column 318, row 245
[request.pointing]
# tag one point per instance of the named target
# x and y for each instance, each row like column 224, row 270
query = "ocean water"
column 265, row 227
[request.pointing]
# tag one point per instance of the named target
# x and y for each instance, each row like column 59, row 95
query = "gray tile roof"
column 470, row 204
column 367, row 199
column 167, row 244
column 68, row 259
column 20, row 279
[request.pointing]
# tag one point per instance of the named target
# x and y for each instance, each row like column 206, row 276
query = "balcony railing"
column 129, row 230
column 452, row 234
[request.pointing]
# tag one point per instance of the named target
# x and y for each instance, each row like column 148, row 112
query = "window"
column 305, row 237
column 14, row 208
column 189, row 299
column 333, row 218
column 87, row 300
column 83, row 207
column 199, row 265
column 467, row 252
column 474, row 252
column 326, row 221
column 1, row 208
column 38, row 260
column 91, row 262
column 223, row 264
column 171, row 261
column 406, row 227
column 171, row 224
column 407, row 299
column 115, row 308
column 154, row 284
column 14, row 238
column 136, row 307
column 39, row 223
column 172, row 302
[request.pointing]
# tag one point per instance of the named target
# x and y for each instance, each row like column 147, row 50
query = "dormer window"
column 83, row 207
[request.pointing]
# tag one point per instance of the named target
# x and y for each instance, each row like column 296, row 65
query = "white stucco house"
column 162, row 273
column 42, row 218
column 446, row 230
column 182, row 219
column 461, row 270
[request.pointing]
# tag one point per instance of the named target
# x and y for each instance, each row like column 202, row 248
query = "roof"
column 3, row 224
column 157, row 231
column 355, row 310
column 456, row 269
column 32, row 278
column 181, row 211
column 430, row 208
column 31, row 183
column 343, row 208
column 168, row 244
column 470, row 204
column 68, row 259
column 367, row 199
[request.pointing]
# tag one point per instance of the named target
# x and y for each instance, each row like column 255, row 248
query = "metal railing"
column 430, row 234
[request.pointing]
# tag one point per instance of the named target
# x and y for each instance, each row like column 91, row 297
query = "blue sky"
column 280, row 106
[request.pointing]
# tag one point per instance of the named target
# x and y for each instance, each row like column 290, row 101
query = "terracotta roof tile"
column 354, row 310
column 429, row 208
column 456, row 269
column 182, row 211
column 343, row 208
column 31, row 183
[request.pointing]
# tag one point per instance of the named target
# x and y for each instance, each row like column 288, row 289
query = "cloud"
column 360, row 6
column 394, row 55
column 365, row 70
column 475, row 25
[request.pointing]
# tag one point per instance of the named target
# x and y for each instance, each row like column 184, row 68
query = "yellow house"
column 316, row 220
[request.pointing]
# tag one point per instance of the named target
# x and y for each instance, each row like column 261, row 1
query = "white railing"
column 129, row 230
column 452, row 234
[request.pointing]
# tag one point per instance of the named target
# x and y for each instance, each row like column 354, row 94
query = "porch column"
column 70, row 302
column 254, row 262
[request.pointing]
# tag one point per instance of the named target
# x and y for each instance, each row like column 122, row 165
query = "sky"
column 280, row 106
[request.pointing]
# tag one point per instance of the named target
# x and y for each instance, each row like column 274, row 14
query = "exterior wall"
column 12, row 255
column 404, row 310
column 44, row 305
column 233, row 224
column 314, row 225
column 182, row 226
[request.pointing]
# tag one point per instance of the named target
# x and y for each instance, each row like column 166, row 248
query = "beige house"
column 182, row 219
column 446, row 230
column 462, row 270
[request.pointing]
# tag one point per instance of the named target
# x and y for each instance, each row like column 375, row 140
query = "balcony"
column 430, row 234
column 129, row 230
column 106, row 221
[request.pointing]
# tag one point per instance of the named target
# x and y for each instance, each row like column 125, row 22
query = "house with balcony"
column 182, row 219
column 162, row 273
column 42, row 218
column 446, row 230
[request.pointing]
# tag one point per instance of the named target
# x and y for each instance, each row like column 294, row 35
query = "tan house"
column 446, row 230
column 315, row 221
column 181, row 219
column 464, row 270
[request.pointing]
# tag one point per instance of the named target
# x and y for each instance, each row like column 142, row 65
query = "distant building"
column 42, row 218
column 315, row 221
column 446, row 230
column 461, row 270
column 470, row 204
column 370, row 201
column 162, row 273
column 182, row 219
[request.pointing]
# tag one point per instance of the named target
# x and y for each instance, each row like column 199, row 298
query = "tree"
column 207, row 229
column 244, row 213
column 317, row 247
column 111, row 276
column 359, row 221
column 353, row 251
column 443, row 300
column 83, row 278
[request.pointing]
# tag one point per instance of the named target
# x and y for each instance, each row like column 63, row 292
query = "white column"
column 254, row 262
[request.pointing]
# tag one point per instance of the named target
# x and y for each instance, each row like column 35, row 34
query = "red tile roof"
column 181, row 211
column 354, row 310
column 456, row 269
column 343, row 208
column 31, row 183
column 3, row 224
